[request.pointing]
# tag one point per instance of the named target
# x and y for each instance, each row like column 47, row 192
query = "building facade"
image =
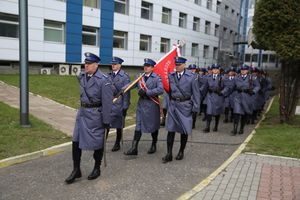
column 60, row 31
column 255, row 57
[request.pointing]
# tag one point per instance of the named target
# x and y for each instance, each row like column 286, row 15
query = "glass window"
column 225, row 33
column 54, row 31
column 247, row 57
column 254, row 58
column 215, row 53
column 272, row 58
column 207, row 27
column 166, row 15
column 145, row 43
column 226, row 10
column 120, row 39
column 164, row 45
column 205, row 51
column 146, row 11
column 198, row 2
column 121, row 6
column 91, row 3
column 196, row 24
column 9, row 25
column 195, row 50
column 90, row 35
column 265, row 57
column 216, row 30
column 182, row 20
column 218, row 7
column 209, row 4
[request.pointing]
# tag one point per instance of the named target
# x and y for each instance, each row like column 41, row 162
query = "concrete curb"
column 37, row 154
column 212, row 176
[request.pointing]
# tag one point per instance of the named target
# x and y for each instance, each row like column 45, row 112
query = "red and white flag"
column 166, row 65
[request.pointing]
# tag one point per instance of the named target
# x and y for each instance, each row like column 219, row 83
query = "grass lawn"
column 63, row 89
column 275, row 138
column 15, row 140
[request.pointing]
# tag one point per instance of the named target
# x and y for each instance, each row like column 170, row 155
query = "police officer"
column 229, row 82
column 184, row 101
column 193, row 69
column 245, row 87
column 120, row 107
column 215, row 97
column 148, row 110
column 93, row 117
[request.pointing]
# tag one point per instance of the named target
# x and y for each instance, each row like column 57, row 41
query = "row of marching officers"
column 98, row 113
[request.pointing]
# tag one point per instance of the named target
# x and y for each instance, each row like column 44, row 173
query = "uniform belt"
column 243, row 90
column 91, row 105
column 145, row 97
column 181, row 99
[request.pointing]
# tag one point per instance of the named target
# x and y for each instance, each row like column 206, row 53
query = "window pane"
column 146, row 11
column 53, row 35
column 53, row 31
column 89, row 35
column 145, row 43
column 9, row 25
column 91, row 3
column 121, row 6
column 265, row 58
column 9, row 30
column 166, row 16
column 254, row 58
column 164, row 45
column 120, row 40
column 247, row 57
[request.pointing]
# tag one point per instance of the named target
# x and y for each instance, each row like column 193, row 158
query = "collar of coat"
column 120, row 72
column 97, row 74
column 185, row 73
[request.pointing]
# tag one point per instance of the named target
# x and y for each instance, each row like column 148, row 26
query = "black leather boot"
column 133, row 151
column 154, row 141
column 76, row 154
column 207, row 128
column 243, row 122
column 98, row 154
column 235, row 127
column 226, row 113
column 116, row 146
column 183, row 141
column 170, row 140
column 194, row 116
column 217, row 118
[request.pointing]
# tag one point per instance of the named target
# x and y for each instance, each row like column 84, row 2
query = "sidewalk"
column 255, row 177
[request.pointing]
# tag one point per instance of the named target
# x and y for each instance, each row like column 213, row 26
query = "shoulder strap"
column 176, row 82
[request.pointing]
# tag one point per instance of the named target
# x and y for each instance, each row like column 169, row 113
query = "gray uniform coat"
column 179, row 118
column 89, row 130
column 242, row 100
column 120, row 80
column 228, row 82
column 216, row 94
column 147, row 111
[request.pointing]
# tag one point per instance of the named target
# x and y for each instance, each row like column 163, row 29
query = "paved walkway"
column 256, row 177
column 143, row 176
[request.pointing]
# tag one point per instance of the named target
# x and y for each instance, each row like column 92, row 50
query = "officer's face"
column 148, row 69
column 180, row 67
column 244, row 72
column 215, row 71
column 90, row 68
column 231, row 73
column 116, row 67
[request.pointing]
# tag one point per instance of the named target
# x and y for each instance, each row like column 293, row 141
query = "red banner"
column 166, row 65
